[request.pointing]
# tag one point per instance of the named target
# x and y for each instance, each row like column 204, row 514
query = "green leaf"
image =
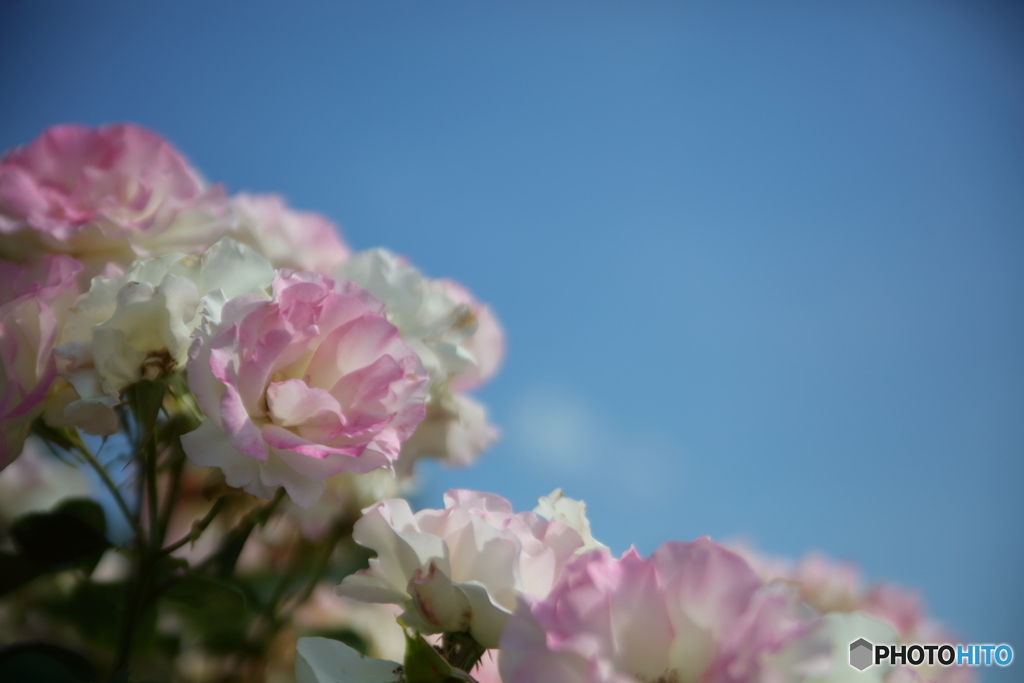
column 16, row 571
column 87, row 510
column 424, row 664
column 89, row 600
column 203, row 595
column 69, row 535
column 58, row 436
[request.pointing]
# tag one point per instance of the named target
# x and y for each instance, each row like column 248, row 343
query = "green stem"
column 341, row 529
column 197, row 527
column 177, row 464
column 267, row 613
column 134, row 607
column 152, row 497
column 145, row 399
column 271, row 619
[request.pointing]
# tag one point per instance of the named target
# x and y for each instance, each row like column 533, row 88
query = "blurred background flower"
column 758, row 266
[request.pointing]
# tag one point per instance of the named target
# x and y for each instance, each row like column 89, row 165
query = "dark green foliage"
column 69, row 536
column 44, row 663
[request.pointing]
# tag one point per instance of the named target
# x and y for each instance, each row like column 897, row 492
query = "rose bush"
column 187, row 353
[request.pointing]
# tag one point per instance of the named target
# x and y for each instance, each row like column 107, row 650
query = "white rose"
column 461, row 568
column 138, row 324
column 434, row 324
column 555, row 507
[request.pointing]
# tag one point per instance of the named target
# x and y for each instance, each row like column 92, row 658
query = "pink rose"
column 691, row 612
column 300, row 240
column 825, row 584
column 115, row 188
column 311, row 383
column 34, row 303
column 458, row 339
column 828, row 585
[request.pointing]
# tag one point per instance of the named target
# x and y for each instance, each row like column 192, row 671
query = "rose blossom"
column 455, row 429
column 34, row 301
column 436, row 325
column 138, row 324
column 889, row 612
column 486, row 345
column 902, row 609
column 304, row 386
column 119, row 189
column 692, row 612
column 457, row 337
column 300, row 240
column 461, row 568
column 556, row 507
column 843, row 628
column 825, row 584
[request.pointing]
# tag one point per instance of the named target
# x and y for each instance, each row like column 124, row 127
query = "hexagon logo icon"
column 860, row 654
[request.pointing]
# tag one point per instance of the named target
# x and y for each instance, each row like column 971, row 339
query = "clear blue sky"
column 760, row 265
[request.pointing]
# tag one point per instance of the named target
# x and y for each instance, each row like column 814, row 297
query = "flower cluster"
column 555, row 605
column 186, row 355
column 210, row 407
column 893, row 613
column 305, row 360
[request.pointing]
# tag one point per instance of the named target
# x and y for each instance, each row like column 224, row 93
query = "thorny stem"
column 152, row 494
column 137, row 599
column 115, row 492
column 198, row 527
column 271, row 618
column 342, row 528
column 177, row 464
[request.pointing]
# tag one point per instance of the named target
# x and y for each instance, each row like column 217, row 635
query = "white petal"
column 320, row 660
column 209, row 446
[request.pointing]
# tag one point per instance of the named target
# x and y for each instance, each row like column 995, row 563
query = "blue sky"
column 759, row 265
